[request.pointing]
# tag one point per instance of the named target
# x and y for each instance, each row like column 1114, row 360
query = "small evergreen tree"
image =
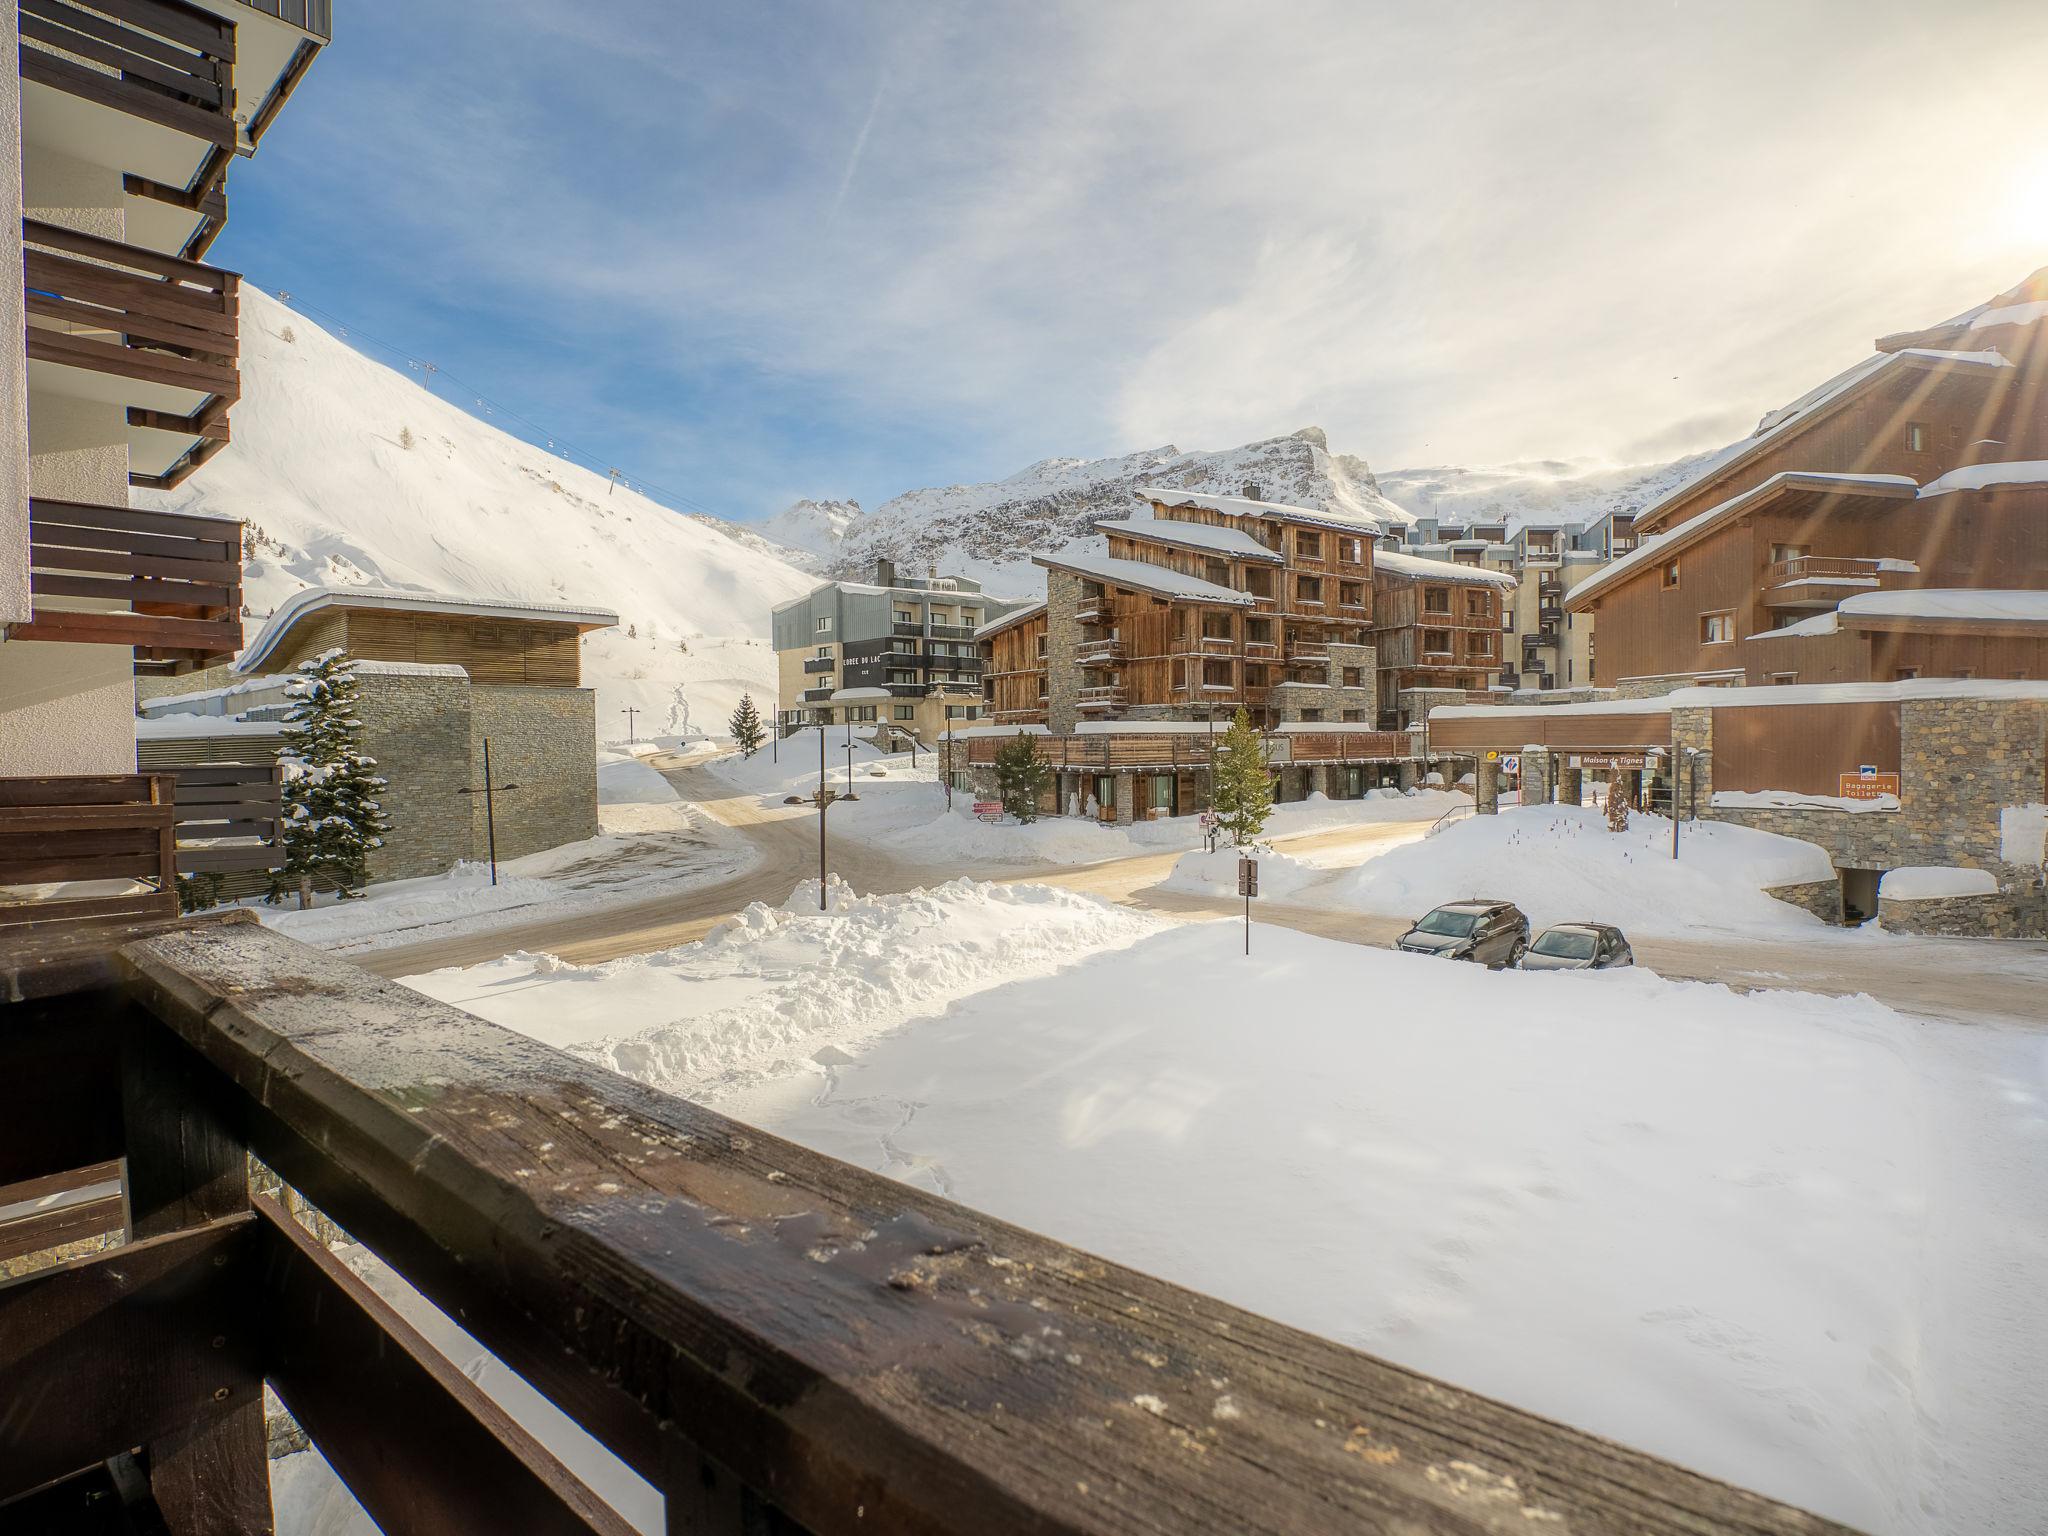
column 332, row 818
column 1617, row 802
column 1021, row 776
column 745, row 726
column 1243, row 796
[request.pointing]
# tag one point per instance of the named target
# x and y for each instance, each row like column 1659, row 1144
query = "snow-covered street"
column 1773, row 1236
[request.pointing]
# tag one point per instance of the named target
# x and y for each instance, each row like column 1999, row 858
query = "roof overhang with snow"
column 1243, row 506
column 295, row 609
column 1422, row 568
column 1838, row 393
column 1022, row 615
column 1159, row 580
column 1655, row 549
column 1210, row 538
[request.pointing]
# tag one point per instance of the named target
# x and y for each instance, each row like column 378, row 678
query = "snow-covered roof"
column 1978, row 477
column 1141, row 577
column 1935, row 882
column 185, row 727
column 1767, row 697
column 2021, row 304
column 1842, row 385
column 1242, row 506
column 1015, row 616
column 1205, row 536
column 1983, row 605
column 313, row 599
column 1655, row 548
column 860, row 695
column 1422, row 568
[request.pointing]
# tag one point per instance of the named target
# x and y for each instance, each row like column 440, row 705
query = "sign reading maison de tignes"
column 1615, row 760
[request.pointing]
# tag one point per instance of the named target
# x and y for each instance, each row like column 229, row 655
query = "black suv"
column 1493, row 933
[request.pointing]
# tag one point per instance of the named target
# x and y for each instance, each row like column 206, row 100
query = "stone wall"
column 2019, row 913
column 1823, row 898
column 1330, row 698
column 1962, row 761
column 418, row 729
column 1062, row 646
column 545, row 741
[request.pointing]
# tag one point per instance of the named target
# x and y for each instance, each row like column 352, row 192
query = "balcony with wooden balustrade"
column 167, row 583
column 1820, row 582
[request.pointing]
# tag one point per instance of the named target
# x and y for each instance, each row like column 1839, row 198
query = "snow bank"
column 774, row 990
column 1559, row 863
column 1935, row 882
column 1793, row 800
column 1215, row 874
column 1734, row 1230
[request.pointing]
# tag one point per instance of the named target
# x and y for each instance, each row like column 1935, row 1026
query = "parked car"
column 1579, row 947
column 1493, row 933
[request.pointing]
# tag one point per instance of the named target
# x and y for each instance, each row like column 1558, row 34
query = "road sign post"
column 1247, row 887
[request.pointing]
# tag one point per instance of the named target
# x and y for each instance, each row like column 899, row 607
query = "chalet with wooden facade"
column 1209, row 605
column 120, row 123
column 440, row 675
column 1886, row 531
column 1438, row 629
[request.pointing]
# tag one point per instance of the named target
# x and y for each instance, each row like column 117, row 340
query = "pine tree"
column 1617, row 802
column 745, row 726
column 1243, row 794
column 1021, row 776
column 332, row 818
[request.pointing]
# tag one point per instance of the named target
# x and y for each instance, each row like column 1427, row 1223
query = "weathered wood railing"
column 179, row 577
column 118, row 309
column 166, row 62
column 83, row 828
column 777, row 1341
column 229, row 817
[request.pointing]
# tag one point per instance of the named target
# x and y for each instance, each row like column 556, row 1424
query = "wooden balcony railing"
column 1821, row 581
column 1108, row 696
column 165, row 62
column 1350, row 746
column 779, row 1342
column 1094, row 653
column 178, row 577
column 229, row 816
column 159, row 321
column 86, row 828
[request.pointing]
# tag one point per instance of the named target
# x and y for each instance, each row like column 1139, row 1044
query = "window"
column 1436, row 599
column 1780, row 553
column 1216, row 674
column 824, row 653
column 1482, row 644
column 1475, row 604
column 1354, row 677
column 1180, row 673
column 1784, row 679
column 902, row 675
column 1258, row 581
column 861, row 712
column 1670, row 574
column 1567, row 669
column 1309, row 589
column 904, row 712
column 1216, row 572
column 906, row 615
column 1436, row 642
column 962, row 711
column 1717, row 628
column 1310, row 715
column 1308, row 546
column 1351, row 593
column 1354, row 714
column 824, row 625
column 1916, row 437
column 1351, row 551
column 970, row 620
column 1904, row 674
column 1041, row 647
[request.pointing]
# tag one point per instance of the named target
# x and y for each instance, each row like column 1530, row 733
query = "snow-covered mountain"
column 814, row 530
column 1549, row 490
column 349, row 473
column 990, row 531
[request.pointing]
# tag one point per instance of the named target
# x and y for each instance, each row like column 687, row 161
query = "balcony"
column 906, row 690
column 816, row 695
column 167, row 583
column 1307, row 651
column 1092, row 610
column 100, row 310
column 951, row 631
column 905, row 631
column 168, row 64
column 1216, row 645
column 1109, row 696
column 1550, row 613
column 85, row 830
column 1822, row 581
column 815, row 664
column 1261, row 650
column 1097, row 653
column 775, row 1340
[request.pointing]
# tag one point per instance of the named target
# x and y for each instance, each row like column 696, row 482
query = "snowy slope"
column 813, row 530
column 349, row 473
column 990, row 531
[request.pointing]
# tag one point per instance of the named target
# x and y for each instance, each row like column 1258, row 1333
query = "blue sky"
column 750, row 252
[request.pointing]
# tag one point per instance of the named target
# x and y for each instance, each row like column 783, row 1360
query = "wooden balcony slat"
column 43, row 818
column 117, row 1350
column 85, row 789
column 197, row 29
column 137, row 589
column 86, row 514
column 204, row 309
column 156, row 631
column 118, row 95
column 60, row 1224
column 136, row 40
column 103, row 43
column 417, row 1442
column 50, row 538
column 121, row 562
column 45, row 1185
column 68, row 351
column 100, row 248
column 866, row 1356
column 135, row 326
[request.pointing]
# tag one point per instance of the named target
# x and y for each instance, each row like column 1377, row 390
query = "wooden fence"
column 229, row 817
column 778, row 1342
column 79, row 828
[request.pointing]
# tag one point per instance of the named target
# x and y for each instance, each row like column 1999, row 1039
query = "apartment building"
column 899, row 652
column 1438, row 633
column 124, row 123
column 1209, row 605
column 1868, row 572
column 1543, row 646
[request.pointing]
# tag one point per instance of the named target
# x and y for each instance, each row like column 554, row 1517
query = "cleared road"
column 1970, row 981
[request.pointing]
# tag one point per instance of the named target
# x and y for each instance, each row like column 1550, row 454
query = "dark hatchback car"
column 1492, row 933
column 1579, row 947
